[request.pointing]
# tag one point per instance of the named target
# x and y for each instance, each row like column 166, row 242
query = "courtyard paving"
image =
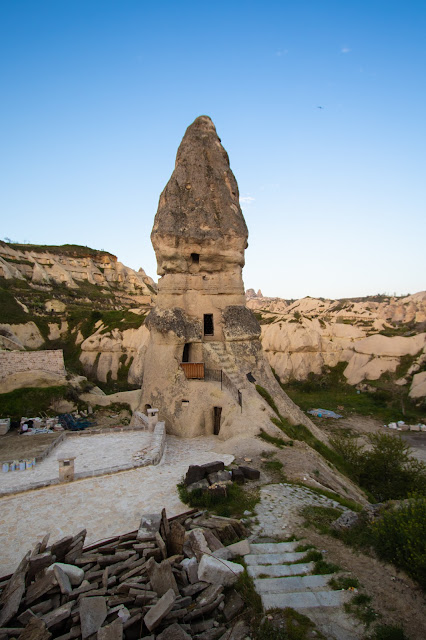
column 105, row 505
column 91, row 453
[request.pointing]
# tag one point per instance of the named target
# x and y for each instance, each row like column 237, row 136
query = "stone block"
column 155, row 615
column 161, row 577
column 241, row 548
column 195, row 473
column 176, row 538
column 217, row 571
column 249, row 473
column 113, row 631
column 149, row 526
column 173, row 632
column 75, row 574
column 234, row 605
column 211, row 467
column 201, row 484
column 238, row 476
column 93, row 612
column 219, row 476
column 191, row 567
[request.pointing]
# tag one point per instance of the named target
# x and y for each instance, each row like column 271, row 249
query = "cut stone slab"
column 113, row 631
column 202, row 541
column 57, row 615
column 241, row 548
column 234, row 605
column 176, row 538
column 161, row 577
column 291, row 584
column 63, row 581
column 173, row 632
column 75, row 574
column 273, row 547
column 280, row 570
column 218, row 571
column 149, row 526
column 12, row 594
column 35, row 630
column 305, row 600
column 93, row 612
column 194, row 474
column 274, row 558
column 155, row 615
column 191, row 567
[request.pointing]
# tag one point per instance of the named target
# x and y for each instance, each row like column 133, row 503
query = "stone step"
column 274, row 558
column 306, row 600
column 273, row 547
column 280, row 570
column 290, row 585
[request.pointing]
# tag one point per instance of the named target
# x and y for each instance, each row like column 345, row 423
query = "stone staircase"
column 282, row 579
column 220, row 354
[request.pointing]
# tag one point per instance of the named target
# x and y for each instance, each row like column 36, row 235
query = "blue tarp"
column 324, row 413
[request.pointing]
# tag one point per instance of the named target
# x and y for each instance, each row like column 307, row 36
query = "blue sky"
column 95, row 97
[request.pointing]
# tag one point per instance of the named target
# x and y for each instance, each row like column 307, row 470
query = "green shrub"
column 233, row 504
column 400, row 537
column 386, row 471
column 387, row 632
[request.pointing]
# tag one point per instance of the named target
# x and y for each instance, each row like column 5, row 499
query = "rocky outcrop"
column 200, row 331
column 304, row 336
column 70, row 266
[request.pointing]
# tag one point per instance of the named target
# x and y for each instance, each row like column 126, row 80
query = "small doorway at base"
column 147, row 406
column 217, row 413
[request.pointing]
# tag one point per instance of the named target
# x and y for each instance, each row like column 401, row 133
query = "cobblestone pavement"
column 92, row 452
column 277, row 513
column 105, row 505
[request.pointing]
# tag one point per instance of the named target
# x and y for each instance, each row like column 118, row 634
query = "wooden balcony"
column 193, row 370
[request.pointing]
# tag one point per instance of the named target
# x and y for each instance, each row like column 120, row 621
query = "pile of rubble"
column 214, row 478
column 166, row 581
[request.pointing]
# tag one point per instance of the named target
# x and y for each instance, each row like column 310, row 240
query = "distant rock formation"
column 371, row 336
column 70, row 265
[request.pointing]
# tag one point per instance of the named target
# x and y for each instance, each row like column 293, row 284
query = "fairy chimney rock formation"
column 200, row 328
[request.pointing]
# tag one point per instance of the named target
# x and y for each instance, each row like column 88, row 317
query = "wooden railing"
column 193, row 370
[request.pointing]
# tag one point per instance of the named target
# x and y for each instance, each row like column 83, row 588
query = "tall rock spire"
column 199, row 210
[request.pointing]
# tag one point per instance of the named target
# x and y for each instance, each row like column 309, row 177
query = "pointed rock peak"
column 201, row 201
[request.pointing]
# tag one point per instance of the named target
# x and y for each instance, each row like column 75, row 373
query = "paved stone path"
column 105, row 505
column 278, row 510
column 92, row 452
column 281, row 576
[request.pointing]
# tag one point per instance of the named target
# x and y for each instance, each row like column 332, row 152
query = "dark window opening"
column 195, row 257
column 217, row 412
column 208, row 324
column 185, row 354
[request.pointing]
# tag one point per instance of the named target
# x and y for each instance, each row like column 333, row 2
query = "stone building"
column 204, row 356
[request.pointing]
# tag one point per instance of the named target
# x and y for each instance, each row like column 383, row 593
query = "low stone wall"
column 152, row 456
column 17, row 361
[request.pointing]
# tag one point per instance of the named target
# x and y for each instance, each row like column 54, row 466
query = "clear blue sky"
column 95, row 96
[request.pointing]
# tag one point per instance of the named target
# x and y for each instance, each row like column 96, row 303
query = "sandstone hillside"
column 374, row 337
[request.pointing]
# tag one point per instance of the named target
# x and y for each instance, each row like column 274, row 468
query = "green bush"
column 400, row 537
column 233, row 504
column 386, row 471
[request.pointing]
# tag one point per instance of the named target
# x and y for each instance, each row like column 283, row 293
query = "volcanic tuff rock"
column 199, row 236
column 371, row 335
column 199, row 207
